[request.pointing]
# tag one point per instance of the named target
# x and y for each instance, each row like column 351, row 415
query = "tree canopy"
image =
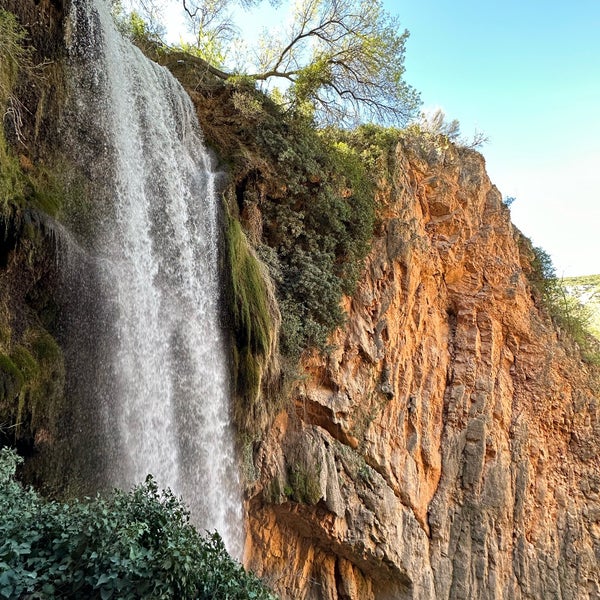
column 340, row 60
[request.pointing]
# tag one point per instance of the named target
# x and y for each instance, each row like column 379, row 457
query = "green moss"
column 11, row 379
column 45, row 347
column 273, row 494
column 12, row 181
column 16, row 56
column 252, row 318
column 255, row 324
column 31, row 382
column 37, row 187
column 304, row 483
column 25, row 362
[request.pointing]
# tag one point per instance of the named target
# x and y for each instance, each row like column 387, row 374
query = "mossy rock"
column 11, row 379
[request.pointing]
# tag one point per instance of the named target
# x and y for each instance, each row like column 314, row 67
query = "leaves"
column 341, row 61
column 128, row 545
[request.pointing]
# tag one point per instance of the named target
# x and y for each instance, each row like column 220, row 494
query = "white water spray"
column 155, row 253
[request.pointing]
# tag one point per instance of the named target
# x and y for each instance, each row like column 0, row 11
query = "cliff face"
column 446, row 446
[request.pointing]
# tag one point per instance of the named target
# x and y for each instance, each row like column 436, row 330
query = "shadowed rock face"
column 447, row 446
column 43, row 20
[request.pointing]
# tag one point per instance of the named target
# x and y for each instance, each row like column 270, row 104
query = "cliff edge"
column 446, row 444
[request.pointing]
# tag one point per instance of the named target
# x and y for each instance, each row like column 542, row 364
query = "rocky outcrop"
column 446, row 446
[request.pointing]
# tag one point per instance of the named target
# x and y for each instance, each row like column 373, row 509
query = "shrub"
column 320, row 228
column 129, row 545
column 565, row 310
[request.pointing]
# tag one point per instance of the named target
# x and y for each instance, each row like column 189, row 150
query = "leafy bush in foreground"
column 129, row 545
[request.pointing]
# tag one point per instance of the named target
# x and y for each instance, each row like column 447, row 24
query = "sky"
column 527, row 74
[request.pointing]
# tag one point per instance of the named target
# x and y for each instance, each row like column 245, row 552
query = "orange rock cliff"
column 447, row 446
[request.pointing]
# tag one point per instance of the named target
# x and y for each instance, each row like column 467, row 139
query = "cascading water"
column 158, row 397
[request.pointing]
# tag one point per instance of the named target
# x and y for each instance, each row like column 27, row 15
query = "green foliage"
column 12, row 179
column 586, row 289
column 37, row 188
column 342, row 61
column 207, row 47
column 543, row 274
column 141, row 27
column 31, row 381
column 16, row 56
column 129, row 545
column 345, row 59
column 373, row 147
column 11, row 378
column 564, row 309
column 320, row 228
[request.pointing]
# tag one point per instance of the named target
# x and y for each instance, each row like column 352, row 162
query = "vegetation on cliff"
column 340, row 61
column 586, row 290
column 563, row 306
column 31, row 362
column 300, row 200
column 255, row 321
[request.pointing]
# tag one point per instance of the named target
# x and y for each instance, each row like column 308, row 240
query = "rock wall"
column 446, row 446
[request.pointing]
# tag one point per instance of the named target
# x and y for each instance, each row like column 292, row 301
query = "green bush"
column 320, row 227
column 565, row 310
column 128, row 545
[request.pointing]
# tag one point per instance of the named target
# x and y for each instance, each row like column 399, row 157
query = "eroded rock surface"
column 447, row 447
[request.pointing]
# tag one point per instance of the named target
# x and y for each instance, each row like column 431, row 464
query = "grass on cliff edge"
column 586, row 290
column 564, row 306
column 127, row 546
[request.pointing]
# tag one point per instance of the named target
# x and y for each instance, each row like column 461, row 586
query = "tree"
column 341, row 60
column 345, row 58
column 435, row 123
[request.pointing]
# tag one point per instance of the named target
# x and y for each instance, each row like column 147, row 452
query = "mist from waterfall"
column 147, row 280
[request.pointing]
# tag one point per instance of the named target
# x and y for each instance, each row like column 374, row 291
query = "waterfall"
column 156, row 400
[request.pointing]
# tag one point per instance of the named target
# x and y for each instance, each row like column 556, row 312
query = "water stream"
column 148, row 288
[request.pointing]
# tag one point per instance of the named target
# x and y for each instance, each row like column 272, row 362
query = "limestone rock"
column 447, row 446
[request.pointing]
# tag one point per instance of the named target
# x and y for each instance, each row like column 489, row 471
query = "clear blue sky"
column 527, row 73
